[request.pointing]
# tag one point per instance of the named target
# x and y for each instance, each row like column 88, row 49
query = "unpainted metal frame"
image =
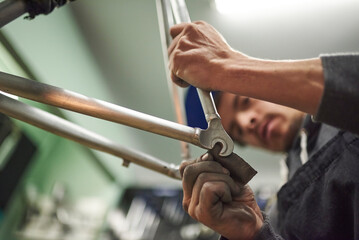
column 79, row 103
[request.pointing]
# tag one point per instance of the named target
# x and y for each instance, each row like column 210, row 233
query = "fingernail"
column 226, row 171
column 204, row 157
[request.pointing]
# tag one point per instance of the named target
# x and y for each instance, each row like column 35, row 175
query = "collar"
column 311, row 129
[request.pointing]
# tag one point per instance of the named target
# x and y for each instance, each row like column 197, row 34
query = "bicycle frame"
column 167, row 10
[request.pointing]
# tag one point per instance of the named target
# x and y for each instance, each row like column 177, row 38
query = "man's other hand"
column 197, row 54
column 214, row 198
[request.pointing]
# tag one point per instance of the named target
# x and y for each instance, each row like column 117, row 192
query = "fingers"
column 177, row 46
column 177, row 29
column 191, row 170
column 173, row 44
column 177, row 32
column 205, row 176
column 217, row 187
column 215, row 191
column 212, row 196
column 174, row 72
column 204, row 157
column 178, row 80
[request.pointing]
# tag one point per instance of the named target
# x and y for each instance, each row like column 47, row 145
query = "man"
column 321, row 198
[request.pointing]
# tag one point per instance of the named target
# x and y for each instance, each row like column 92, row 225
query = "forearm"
column 296, row 84
column 326, row 87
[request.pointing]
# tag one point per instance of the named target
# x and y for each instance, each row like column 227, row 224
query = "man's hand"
column 197, row 55
column 212, row 197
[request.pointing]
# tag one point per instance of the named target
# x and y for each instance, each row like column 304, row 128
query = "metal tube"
column 66, row 99
column 66, row 129
column 165, row 20
column 180, row 13
column 10, row 10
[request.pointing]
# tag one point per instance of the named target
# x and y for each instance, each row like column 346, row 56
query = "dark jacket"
column 340, row 101
column 321, row 199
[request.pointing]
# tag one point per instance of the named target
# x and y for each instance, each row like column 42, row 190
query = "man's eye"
column 245, row 101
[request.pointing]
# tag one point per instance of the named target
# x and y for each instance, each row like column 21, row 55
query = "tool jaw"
column 214, row 134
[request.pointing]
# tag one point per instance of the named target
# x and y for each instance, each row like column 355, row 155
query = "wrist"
column 248, row 233
column 240, row 74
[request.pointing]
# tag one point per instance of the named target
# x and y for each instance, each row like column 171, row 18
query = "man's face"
column 259, row 123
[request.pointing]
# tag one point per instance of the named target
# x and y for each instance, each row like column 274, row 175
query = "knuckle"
column 192, row 213
column 185, row 204
column 182, row 168
column 172, row 31
column 199, row 212
column 190, row 27
column 183, row 43
column 175, row 56
column 188, row 171
column 178, row 82
column 208, row 187
column 202, row 178
column 174, row 78
column 181, row 83
column 213, row 187
column 200, row 22
column 184, row 164
column 215, row 166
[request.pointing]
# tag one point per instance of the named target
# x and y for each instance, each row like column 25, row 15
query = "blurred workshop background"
column 52, row 188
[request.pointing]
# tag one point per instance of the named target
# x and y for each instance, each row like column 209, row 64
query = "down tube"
column 66, row 129
column 76, row 102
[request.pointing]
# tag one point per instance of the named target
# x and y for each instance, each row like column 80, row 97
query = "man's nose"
column 246, row 120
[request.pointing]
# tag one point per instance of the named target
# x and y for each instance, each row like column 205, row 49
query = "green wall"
column 86, row 173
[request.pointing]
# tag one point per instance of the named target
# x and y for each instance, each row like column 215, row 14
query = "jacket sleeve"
column 265, row 233
column 340, row 101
